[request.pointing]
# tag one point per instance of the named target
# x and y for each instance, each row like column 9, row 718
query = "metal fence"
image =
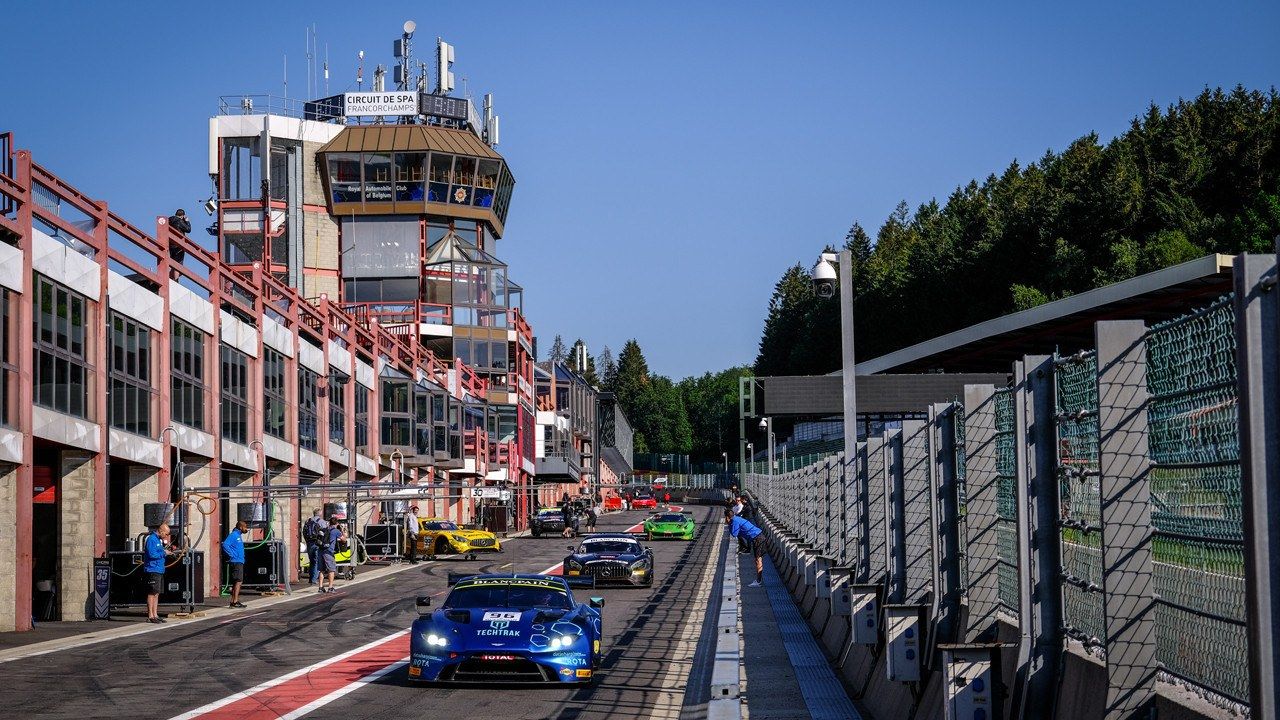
column 1144, row 437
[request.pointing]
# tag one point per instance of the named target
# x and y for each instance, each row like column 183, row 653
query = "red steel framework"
column 247, row 291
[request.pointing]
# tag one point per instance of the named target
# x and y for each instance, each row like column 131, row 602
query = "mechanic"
column 313, row 534
column 566, row 512
column 334, row 534
column 411, row 529
column 740, row 527
column 233, row 549
column 591, row 518
column 155, row 551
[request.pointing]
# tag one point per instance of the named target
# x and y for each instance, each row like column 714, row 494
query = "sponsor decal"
column 584, row 673
column 497, row 658
column 415, row 672
column 501, row 615
column 574, row 572
column 567, row 672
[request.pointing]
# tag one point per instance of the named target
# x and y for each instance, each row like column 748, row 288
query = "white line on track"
column 242, row 617
column 203, row 709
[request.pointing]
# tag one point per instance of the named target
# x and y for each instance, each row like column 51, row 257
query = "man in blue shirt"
column 334, row 535
column 740, row 527
column 154, row 552
column 233, row 550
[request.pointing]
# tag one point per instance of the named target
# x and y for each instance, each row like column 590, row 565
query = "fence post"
column 917, row 515
column 852, row 519
column 1128, row 604
column 874, row 550
column 1039, row 548
column 946, row 547
column 981, row 520
column 895, row 540
column 1258, row 365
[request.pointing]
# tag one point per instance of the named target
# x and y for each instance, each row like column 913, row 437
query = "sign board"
column 380, row 103
column 444, row 106
column 489, row 492
column 102, row 588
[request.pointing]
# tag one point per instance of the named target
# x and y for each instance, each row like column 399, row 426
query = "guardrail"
column 1097, row 503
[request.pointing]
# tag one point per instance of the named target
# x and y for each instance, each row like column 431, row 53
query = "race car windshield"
column 609, row 546
column 441, row 526
column 549, row 512
column 644, row 495
column 506, row 596
column 669, row 518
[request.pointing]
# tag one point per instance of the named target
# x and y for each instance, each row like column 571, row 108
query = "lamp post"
column 766, row 426
column 751, row 455
column 830, row 271
column 725, row 455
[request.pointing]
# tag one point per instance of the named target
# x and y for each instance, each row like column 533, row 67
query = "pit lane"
column 189, row 665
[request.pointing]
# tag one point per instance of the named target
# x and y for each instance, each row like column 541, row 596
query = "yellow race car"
column 437, row 536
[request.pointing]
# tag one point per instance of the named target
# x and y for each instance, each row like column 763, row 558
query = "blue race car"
column 504, row 629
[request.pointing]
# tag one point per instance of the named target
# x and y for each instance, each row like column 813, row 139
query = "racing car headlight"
column 575, row 564
column 563, row 641
column 436, row 640
column 640, row 564
column 458, row 538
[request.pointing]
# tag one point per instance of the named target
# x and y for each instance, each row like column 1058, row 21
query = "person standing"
column 736, row 507
column 411, row 529
column 314, row 533
column 233, row 549
column 566, row 514
column 591, row 519
column 740, row 527
column 334, row 534
column 154, row 552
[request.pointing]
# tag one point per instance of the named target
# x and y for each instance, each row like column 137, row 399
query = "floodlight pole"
column 846, row 351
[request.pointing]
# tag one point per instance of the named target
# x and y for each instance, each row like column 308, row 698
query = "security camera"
column 824, row 276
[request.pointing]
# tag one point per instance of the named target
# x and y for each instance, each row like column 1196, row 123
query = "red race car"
column 644, row 501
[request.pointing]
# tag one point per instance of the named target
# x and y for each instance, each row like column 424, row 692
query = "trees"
column 559, row 353
column 589, row 372
column 607, row 369
column 1200, row 176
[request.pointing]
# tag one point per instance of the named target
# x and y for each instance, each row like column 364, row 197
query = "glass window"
column 186, row 380
column 308, row 409
column 410, row 177
column 62, row 369
column 344, row 177
column 130, row 374
column 274, row 394
column 241, row 169
column 235, row 394
column 439, row 177
column 362, row 416
column 487, row 182
column 337, row 408
column 464, row 173
column 377, row 177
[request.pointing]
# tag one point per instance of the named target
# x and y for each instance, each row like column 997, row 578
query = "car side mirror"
column 569, row 547
column 423, row 604
column 597, row 602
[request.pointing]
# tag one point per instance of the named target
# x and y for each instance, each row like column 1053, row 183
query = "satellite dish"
column 409, row 27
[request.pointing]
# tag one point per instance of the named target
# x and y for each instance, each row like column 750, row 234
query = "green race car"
column 669, row 525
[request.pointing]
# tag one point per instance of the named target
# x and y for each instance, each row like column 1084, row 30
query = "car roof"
column 609, row 536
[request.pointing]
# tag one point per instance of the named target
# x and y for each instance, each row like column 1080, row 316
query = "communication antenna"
column 444, row 61
column 379, row 78
column 401, row 49
column 326, row 68
column 360, row 71
column 490, row 121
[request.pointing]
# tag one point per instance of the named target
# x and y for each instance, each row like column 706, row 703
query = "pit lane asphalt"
column 187, row 665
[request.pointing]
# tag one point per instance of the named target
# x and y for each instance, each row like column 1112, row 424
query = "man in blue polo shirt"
column 740, row 527
column 154, row 552
column 233, row 549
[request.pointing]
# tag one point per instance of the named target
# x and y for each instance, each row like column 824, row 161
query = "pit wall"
column 1081, row 692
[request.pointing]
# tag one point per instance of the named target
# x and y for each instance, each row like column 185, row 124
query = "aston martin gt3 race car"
column 438, row 536
column 611, row 558
column 669, row 525
column 506, row 628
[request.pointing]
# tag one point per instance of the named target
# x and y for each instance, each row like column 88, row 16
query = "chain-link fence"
column 1198, row 554
column 1192, row 469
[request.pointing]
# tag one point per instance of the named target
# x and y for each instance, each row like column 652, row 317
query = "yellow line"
column 504, row 567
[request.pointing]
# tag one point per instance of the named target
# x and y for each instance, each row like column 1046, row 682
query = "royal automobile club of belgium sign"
column 380, row 103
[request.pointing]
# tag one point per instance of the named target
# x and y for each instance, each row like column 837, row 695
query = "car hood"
column 469, row 534
column 668, row 523
column 620, row 557
column 490, row 628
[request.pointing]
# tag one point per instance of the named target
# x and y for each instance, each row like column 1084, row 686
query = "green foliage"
column 607, row 368
column 589, row 374
column 559, row 353
column 1198, row 177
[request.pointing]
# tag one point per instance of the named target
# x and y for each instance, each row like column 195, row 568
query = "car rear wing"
column 455, row 578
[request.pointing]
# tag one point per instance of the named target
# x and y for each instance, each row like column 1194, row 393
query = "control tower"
column 393, row 202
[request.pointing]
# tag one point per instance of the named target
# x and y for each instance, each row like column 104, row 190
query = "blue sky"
column 671, row 158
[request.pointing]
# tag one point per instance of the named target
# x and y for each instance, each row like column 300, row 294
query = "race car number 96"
column 499, row 615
